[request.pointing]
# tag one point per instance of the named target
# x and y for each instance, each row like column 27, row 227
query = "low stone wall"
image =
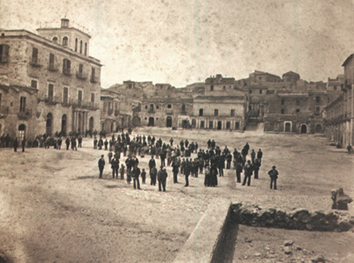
column 300, row 219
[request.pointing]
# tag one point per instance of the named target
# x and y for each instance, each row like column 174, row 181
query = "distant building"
column 48, row 82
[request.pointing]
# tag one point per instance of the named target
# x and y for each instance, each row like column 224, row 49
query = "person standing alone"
column 101, row 164
column 273, row 177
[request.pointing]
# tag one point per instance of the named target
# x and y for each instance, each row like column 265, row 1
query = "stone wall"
column 299, row 219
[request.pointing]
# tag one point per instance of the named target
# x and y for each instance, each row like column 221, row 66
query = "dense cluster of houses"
column 49, row 84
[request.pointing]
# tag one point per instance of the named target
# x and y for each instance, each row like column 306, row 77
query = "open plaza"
column 55, row 208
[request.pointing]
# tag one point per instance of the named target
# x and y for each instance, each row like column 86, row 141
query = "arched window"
column 65, row 41
column 55, row 39
column 85, row 49
column 75, row 44
column 80, row 46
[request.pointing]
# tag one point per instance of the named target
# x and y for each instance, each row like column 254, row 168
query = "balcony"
column 67, row 72
column 53, row 68
column 4, row 111
column 151, row 110
column 169, row 111
column 36, row 62
column 52, row 100
column 81, row 75
column 25, row 114
column 94, row 79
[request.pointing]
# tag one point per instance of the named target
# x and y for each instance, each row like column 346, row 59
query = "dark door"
column 318, row 128
column 49, row 124
column 151, row 121
column 219, row 125
column 287, row 127
column 91, row 124
column 303, row 128
column 63, row 125
column 169, row 121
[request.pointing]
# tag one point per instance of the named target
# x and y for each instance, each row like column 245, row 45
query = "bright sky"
column 185, row 41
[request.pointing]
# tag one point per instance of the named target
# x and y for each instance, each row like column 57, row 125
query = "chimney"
column 64, row 22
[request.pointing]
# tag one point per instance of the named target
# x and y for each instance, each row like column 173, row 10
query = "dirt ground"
column 53, row 207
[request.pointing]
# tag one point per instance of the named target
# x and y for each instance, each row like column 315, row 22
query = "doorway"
column 49, row 124
column 63, row 125
column 287, row 127
column 151, row 121
column 169, row 121
column 219, row 125
column 91, row 124
column 303, row 128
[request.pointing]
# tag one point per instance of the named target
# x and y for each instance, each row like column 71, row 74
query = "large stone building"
column 48, row 82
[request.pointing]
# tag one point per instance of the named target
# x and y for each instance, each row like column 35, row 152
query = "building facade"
column 55, row 65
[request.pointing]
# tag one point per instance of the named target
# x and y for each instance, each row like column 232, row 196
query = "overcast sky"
column 185, row 41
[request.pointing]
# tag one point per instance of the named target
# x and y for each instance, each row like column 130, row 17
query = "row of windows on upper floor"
column 65, row 95
column 216, row 112
column 66, row 66
column 317, row 111
column 298, row 102
column 65, row 43
column 169, row 106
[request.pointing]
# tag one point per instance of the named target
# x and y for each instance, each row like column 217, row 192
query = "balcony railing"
column 67, row 71
column 52, row 100
column 94, row 79
column 25, row 114
column 4, row 111
column 81, row 75
column 53, row 67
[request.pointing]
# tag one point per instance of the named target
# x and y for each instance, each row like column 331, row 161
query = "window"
column 216, row 112
column 4, row 53
column 93, row 75
column 201, row 124
column 76, row 44
column 183, row 107
column 211, row 87
column 65, row 95
column 227, row 125
column 66, row 66
column 317, row 99
column 169, row 106
column 210, row 124
column 250, row 91
column 34, row 84
column 50, row 92
column 297, row 110
column 23, row 104
column 282, row 111
column 151, row 107
column 237, row 125
column 51, row 61
column 157, row 107
column 317, row 110
column 200, row 112
column 55, row 39
column 224, row 87
column 93, row 98
column 79, row 96
column 260, row 91
column 297, row 102
column 81, row 69
column 146, row 107
column 282, row 102
column 65, row 41
column 34, row 55
column 85, row 49
column 232, row 112
column 80, row 46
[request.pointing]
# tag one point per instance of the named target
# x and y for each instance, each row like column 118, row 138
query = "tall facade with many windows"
column 54, row 78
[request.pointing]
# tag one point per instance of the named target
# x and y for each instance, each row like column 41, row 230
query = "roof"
column 63, row 29
column 347, row 60
column 219, row 98
column 256, row 72
column 291, row 73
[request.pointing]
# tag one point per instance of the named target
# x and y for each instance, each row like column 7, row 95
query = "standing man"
column 143, row 176
column 238, row 171
column 175, row 167
column 101, row 164
column 115, row 166
column 259, row 156
column 153, row 173
column 171, row 141
column 161, row 176
column 136, row 173
column 256, row 166
column 248, row 172
column 253, row 155
column 23, row 143
column 273, row 177
column 187, row 171
column 152, row 162
column 15, row 144
column 228, row 160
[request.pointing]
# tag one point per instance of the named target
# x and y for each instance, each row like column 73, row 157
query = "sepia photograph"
column 203, row 131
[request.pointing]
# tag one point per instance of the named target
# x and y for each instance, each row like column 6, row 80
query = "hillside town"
column 50, row 85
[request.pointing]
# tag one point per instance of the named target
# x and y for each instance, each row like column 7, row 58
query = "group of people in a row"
column 211, row 160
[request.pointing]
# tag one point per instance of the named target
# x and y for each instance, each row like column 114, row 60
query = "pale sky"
column 185, row 41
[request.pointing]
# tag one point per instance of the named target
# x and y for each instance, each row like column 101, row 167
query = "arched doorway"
column 287, row 127
column 303, row 128
column 22, row 130
column 169, row 121
column 91, row 124
column 49, row 122
column 318, row 128
column 151, row 121
column 112, row 125
column 63, row 125
column 80, row 120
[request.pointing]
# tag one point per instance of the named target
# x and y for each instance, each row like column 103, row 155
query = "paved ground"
column 55, row 209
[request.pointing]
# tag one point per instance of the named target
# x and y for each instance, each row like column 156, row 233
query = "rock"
column 257, row 254
column 288, row 243
column 267, row 248
column 344, row 226
column 298, row 248
column 318, row 259
column 287, row 250
column 248, row 240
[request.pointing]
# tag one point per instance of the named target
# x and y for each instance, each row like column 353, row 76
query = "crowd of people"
column 183, row 157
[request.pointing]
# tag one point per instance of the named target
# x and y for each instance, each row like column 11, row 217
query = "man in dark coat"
column 187, row 171
column 228, row 160
column 253, row 155
column 67, row 142
column 136, row 173
column 161, row 176
column 23, row 143
column 221, row 164
column 153, row 174
column 115, row 166
column 239, row 169
column 143, row 176
column 248, row 172
column 15, row 144
column 101, row 164
column 256, row 166
column 175, row 167
column 273, row 177
column 259, row 156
